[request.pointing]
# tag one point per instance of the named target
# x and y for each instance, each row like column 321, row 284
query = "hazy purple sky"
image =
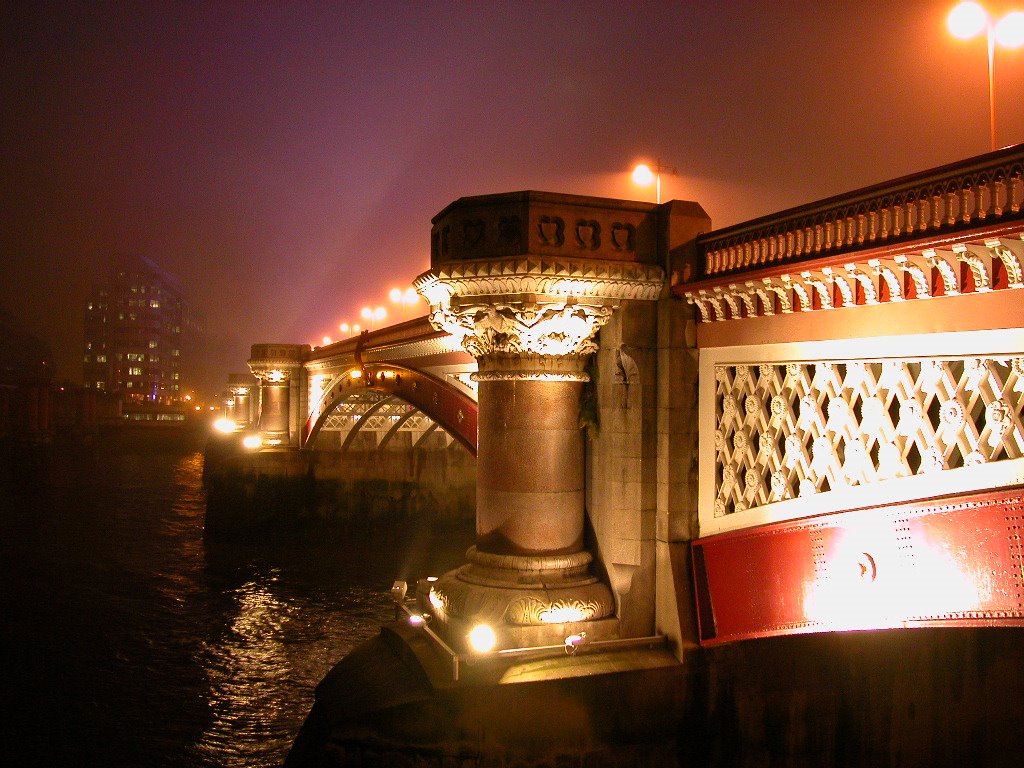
column 285, row 159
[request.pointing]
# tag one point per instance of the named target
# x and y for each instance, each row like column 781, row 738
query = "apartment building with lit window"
column 138, row 334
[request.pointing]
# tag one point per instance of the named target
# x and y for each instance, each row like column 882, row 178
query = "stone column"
column 275, row 365
column 529, row 575
column 240, row 388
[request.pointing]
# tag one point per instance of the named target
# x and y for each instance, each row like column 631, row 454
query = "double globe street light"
column 968, row 20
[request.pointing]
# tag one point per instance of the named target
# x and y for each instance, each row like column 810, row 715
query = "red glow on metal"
column 955, row 561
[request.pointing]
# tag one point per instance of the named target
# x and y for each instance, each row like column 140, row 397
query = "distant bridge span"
column 405, row 378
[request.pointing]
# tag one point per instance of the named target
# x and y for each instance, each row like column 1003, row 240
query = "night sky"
column 284, row 159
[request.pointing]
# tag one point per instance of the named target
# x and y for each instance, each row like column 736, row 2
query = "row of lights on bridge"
column 374, row 316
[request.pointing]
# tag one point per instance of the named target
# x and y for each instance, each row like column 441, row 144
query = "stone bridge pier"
column 526, row 281
column 279, row 370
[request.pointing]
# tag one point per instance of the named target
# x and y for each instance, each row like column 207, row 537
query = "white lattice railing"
column 793, row 430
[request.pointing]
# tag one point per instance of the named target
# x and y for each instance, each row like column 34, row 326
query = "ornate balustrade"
column 983, row 190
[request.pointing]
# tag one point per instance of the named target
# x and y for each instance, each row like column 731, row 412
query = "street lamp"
column 643, row 176
column 966, row 21
column 372, row 315
column 404, row 300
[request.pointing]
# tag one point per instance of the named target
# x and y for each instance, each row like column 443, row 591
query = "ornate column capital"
column 275, row 363
column 271, row 375
column 532, row 318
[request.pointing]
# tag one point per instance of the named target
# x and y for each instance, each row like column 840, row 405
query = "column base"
column 525, row 599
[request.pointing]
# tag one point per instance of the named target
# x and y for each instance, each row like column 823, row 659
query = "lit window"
column 175, row 352
column 100, row 385
column 152, row 343
column 154, row 358
column 89, row 305
column 154, row 303
column 175, row 376
column 101, row 358
column 134, row 371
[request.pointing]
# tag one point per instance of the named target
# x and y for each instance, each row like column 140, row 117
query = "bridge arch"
column 449, row 408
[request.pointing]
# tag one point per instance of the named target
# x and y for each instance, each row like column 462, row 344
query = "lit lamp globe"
column 967, row 20
column 1010, row 30
column 643, row 176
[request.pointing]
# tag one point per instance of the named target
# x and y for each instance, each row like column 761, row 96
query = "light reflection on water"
column 138, row 644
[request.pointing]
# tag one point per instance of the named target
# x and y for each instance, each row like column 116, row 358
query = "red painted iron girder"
column 952, row 561
column 453, row 410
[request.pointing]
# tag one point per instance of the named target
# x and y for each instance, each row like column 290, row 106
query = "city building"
column 138, row 335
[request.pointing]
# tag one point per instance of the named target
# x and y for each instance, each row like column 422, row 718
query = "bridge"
column 805, row 423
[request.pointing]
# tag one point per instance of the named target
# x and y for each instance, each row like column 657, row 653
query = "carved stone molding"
column 533, row 319
column 932, row 272
column 275, row 363
column 521, row 590
column 272, row 374
column 552, row 277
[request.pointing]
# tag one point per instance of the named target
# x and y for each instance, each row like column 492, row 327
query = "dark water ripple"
column 131, row 642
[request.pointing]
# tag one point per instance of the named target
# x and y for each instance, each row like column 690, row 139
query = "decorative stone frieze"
column 532, row 319
column 517, row 223
column 276, row 362
column 994, row 264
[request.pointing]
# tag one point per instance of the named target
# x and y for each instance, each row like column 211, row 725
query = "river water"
column 131, row 641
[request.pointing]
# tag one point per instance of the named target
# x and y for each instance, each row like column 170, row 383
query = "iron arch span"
column 452, row 410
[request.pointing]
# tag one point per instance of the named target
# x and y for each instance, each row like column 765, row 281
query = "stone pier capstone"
column 525, row 281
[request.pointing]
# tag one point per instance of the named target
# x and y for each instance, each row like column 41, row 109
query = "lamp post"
column 404, row 300
column 966, row 21
column 373, row 316
column 643, row 176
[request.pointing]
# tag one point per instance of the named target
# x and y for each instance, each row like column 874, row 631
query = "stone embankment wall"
column 299, row 492
column 914, row 698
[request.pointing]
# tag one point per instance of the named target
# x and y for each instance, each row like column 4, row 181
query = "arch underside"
column 388, row 406
column 370, row 420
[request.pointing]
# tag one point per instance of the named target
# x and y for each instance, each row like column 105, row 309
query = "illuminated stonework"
column 963, row 268
column 532, row 318
column 275, row 363
column 521, row 590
